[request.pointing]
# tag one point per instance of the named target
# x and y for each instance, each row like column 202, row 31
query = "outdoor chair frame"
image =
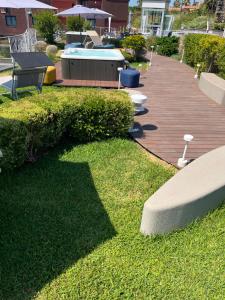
column 22, row 78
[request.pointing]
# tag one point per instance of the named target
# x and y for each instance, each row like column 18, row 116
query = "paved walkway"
column 175, row 107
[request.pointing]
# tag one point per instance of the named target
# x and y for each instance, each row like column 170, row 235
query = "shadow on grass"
column 50, row 217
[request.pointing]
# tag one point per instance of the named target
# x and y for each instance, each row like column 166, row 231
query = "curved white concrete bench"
column 213, row 86
column 190, row 194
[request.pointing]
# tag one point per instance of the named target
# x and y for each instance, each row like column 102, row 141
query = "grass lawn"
column 142, row 66
column 5, row 96
column 70, row 230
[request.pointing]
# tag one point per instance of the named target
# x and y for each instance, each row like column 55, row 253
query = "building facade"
column 13, row 21
column 154, row 19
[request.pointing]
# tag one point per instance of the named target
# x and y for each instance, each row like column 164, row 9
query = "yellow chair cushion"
column 50, row 75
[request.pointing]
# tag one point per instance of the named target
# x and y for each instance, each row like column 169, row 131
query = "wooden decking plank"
column 175, row 107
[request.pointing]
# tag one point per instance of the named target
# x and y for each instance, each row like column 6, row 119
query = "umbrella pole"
column 28, row 31
column 80, row 31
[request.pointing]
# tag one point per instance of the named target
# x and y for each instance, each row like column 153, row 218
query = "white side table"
column 139, row 100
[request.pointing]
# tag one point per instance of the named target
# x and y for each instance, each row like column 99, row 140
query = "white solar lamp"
column 150, row 63
column 182, row 56
column 1, row 155
column 196, row 74
column 119, row 70
column 182, row 161
column 138, row 101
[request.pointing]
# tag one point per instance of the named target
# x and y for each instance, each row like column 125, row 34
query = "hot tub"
column 91, row 64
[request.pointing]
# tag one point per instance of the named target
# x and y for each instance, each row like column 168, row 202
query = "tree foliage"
column 47, row 24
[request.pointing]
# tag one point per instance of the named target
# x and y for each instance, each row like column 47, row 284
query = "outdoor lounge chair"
column 96, row 41
column 25, row 78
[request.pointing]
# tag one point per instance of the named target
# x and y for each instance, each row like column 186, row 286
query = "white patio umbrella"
column 77, row 10
column 24, row 4
column 27, row 5
column 85, row 12
column 101, row 14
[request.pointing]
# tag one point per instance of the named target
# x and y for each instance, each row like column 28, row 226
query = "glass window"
column 10, row 21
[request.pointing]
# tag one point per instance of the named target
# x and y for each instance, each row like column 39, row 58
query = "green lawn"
column 142, row 66
column 5, row 96
column 70, row 230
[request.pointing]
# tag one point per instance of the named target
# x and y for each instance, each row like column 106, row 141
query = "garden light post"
column 182, row 161
column 1, row 156
column 119, row 82
column 207, row 26
column 182, row 56
column 152, row 48
column 196, row 74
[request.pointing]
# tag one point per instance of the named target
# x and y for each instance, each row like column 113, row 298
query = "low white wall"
column 190, row 194
column 213, row 86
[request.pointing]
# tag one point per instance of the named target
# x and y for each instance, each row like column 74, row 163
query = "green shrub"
column 13, row 141
column 4, row 51
column 29, row 126
column 219, row 26
column 167, row 45
column 47, row 24
column 151, row 41
column 134, row 42
column 204, row 49
column 87, row 25
column 221, row 62
column 100, row 117
column 128, row 56
column 163, row 45
column 75, row 23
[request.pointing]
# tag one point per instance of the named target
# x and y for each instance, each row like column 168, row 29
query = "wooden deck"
column 81, row 83
column 175, row 107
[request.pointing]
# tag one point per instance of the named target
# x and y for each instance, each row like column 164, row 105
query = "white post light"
column 196, row 74
column 109, row 24
column 182, row 161
column 119, row 83
column 207, row 25
column 1, row 155
column 152, row 48
column 156, row 50
column 182, row 56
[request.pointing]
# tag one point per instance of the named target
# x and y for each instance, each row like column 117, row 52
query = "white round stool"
column 139, row 100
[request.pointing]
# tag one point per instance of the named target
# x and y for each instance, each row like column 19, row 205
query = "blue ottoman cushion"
column 130, row 78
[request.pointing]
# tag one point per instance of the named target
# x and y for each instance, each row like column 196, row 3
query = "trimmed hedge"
column 208, row 50
column 29, row 126
column 165, row 45
column 136, row 43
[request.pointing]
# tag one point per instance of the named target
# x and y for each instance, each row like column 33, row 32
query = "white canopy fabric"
column 85, row 12
column 77, row 10
column 101, row 14
column 25, row 4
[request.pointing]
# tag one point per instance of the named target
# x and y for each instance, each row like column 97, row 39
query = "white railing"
column 197, row 31
column 21, row 42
